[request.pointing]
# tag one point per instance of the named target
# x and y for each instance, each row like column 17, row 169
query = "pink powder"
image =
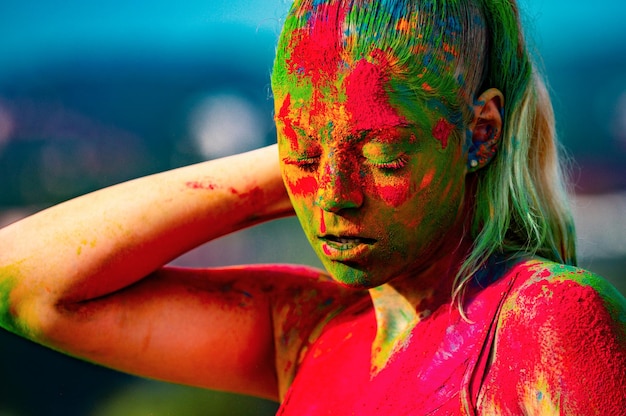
column 201, row 185
column 315, row 48
column 370, row 107
column 303, row 186
column 442, row 131
column 561, row 331
column 393, row 195
column 288, row 129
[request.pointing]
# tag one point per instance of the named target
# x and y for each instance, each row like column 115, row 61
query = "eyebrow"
column 393, row 132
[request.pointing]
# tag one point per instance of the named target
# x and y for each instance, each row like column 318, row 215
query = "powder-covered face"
column 376, row 179
column 375, row 189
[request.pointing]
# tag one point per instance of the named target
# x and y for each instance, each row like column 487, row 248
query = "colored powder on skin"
column 552, row 328
column 256, row 193
column 442, row 131
column 304, row 186
column 8, row 278
column 201, row 185
column 315, row 55
column 426, row 373
column 288, row 129
column 318, row 56
column 369, row 107
column 427, row 179
column 393, row 195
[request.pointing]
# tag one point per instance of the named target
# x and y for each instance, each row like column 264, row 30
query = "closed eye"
column 392, row 165
column 306, row 163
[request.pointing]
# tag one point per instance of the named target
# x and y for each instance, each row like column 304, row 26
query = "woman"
column 416, row 146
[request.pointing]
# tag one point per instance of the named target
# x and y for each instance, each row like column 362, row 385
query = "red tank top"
column 438, row 372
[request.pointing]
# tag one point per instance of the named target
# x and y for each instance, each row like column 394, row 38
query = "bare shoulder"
column 560, row 345
column 565, row 293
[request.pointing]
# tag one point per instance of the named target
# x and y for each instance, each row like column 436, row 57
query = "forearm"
column 98, row 243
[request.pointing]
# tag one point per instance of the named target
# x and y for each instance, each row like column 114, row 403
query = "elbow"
column 18, row 314
column 9, row 319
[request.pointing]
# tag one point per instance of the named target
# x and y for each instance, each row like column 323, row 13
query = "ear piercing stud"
column 473, row 163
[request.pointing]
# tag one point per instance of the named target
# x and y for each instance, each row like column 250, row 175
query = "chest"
column 431, row 373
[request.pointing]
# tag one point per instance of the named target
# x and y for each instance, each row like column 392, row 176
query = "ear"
column 486, row 129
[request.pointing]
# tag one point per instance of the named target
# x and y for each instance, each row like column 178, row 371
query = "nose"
column 339, row 185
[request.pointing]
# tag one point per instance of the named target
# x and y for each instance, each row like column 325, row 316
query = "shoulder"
column 561, row 341
column 563, row 292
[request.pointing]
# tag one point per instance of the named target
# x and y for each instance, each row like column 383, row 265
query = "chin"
column 353, row 276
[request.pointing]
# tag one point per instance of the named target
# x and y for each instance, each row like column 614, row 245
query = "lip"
column 346, row 247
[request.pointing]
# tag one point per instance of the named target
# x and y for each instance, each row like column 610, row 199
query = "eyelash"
column 309, row 164
column 395, row 164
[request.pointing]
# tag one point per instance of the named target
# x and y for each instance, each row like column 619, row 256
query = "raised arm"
column 121, row 233
column 84, row 276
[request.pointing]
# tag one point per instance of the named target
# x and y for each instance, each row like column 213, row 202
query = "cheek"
column 302, row 189
column 393, row 191
column 302, row 186
column 397, row 190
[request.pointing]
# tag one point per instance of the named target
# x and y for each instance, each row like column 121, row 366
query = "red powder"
column 442, row 131
column 425, row 377
column 200, row 185
column 393, row 195
column 560, row 331
column 315, row 48
column 255, row 193
column 288, row 130
column 370, row 106
column 316, row 54
column 427, row 179
column 304, row 186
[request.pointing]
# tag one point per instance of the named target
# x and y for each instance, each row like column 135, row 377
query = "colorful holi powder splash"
column 326, row 38
column 365, row 106
column 337, row 92
column 561, row 330
column 544, row 360
column 442, row 131
column 206, row 185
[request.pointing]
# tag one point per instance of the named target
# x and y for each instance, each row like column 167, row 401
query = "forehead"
column 326, row 74
column 355, row 98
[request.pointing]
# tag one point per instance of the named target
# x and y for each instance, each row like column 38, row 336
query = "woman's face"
column 376, row 182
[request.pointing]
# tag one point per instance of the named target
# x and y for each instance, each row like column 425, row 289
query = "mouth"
column 346, row 248
column 346, row 240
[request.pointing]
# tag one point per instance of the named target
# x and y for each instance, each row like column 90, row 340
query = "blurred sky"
column 119, row 23
column 45, row 30
column 38, row 33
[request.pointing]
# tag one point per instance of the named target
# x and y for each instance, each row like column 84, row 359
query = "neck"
column 407, row 300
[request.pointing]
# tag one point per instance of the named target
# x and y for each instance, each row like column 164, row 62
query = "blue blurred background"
column 94, row 93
